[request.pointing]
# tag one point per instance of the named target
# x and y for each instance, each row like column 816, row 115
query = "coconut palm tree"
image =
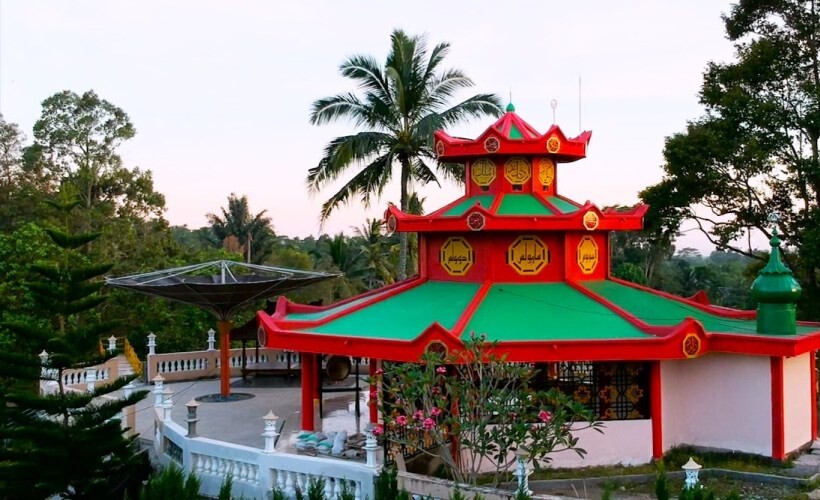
column 374, row 248
column 252, row 234
column 399, row 107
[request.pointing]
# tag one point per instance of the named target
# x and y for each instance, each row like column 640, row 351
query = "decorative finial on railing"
column 158, row 381
column 191, row 419
column 112, row 344
column 371, row 443
column 211, row 339
column 553, row 105
column 152, row 343
column 270, row 432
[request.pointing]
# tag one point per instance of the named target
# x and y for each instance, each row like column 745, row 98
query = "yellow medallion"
column 553, row 144
column 587, row 255
column 546, row 171
column 456, row 256
column 483, row 172
column 528, row 255
column 517, row 170
column 591, row 220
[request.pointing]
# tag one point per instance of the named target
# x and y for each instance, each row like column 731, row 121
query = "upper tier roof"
column 511, row 135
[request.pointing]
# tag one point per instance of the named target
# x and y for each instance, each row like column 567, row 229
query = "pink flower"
column 398, row 401
column 374, row 394
column 513, row 415
column 434, row 411
column 428, row 424
column 418, row 415
column 378, row 430
column 379, row 372
column 441, row 370
column 544, row 416
column 401, row 420
column 436, row 390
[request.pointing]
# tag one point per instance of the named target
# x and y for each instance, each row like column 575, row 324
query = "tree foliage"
column 756, row 150
column 400, row 105
column 76, row 434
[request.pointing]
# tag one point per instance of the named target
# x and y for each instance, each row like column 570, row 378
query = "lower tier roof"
column 606, row 319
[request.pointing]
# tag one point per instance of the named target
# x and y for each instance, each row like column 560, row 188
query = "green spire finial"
column 776, row 292
column 510, row 107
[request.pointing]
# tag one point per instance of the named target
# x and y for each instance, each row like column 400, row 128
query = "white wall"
column 627, row 442
column 797, row 401
column 718, row 400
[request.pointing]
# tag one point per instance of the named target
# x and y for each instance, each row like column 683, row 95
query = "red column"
column 307, row 366
column 373, row 403
column 813, row 368
column 656, row 409
column 778, row 423
column 224, row 328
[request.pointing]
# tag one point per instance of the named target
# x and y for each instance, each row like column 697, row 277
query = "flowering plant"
column 475, row 404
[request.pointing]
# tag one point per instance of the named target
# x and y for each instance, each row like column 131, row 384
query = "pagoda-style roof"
column 608, row 319
column 511, row 135
column 518, row 211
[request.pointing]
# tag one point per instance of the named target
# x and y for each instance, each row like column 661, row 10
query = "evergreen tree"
column 66, row 442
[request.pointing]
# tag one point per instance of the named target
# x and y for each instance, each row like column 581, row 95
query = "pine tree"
column 66, row 443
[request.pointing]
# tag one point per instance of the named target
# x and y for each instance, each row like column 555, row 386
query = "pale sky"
column 220, row 91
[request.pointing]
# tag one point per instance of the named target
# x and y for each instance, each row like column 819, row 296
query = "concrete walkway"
column 240, row 422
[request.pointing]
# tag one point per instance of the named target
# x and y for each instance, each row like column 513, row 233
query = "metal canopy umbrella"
column 221, row 287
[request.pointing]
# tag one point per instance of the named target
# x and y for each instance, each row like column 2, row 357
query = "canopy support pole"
column 224, row 328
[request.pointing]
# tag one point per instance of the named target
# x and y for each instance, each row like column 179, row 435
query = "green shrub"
column 171, row 483
column 662, row 490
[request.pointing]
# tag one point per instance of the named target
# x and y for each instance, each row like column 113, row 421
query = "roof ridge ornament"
column 776, row 291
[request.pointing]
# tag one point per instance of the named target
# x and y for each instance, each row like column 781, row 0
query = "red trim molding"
column 656, row 409
column 813, row 369
column 778, row 421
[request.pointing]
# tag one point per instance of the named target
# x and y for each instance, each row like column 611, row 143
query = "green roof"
column 546, row 311
column 485, row 200
column 312, row 316
column 406, row 315
column 561, row 204
column 657, row 310
column 522, row 204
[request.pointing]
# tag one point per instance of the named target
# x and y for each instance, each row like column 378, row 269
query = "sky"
column 220, row 92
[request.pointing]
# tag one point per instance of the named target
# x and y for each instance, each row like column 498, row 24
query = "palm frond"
column 341, row 106
column 368, row 183
column 423, row 173
column 342, row 152
column 366, row 71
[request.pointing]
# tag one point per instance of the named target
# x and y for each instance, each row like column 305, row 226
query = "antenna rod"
column 579, row 105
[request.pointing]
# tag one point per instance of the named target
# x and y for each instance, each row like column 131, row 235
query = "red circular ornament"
column 391, row 224
column 475, row 221
column 439, row 148
column 691, row 345
column 491, row 144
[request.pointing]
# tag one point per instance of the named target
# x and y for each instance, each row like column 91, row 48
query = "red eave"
column 435, row 222
column 455, row 149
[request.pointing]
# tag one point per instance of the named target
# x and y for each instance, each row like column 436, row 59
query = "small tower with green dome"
column 776, row 292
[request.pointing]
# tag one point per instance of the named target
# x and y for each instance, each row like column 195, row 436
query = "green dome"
column 510, row 108
column 775, row 283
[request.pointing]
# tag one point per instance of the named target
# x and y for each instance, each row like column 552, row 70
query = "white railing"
column 257, row 472
column 179, row 366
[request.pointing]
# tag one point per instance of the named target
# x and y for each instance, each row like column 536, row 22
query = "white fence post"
column 112, row 344
column 167, row 403
column 90, row 378
column 158, row 380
